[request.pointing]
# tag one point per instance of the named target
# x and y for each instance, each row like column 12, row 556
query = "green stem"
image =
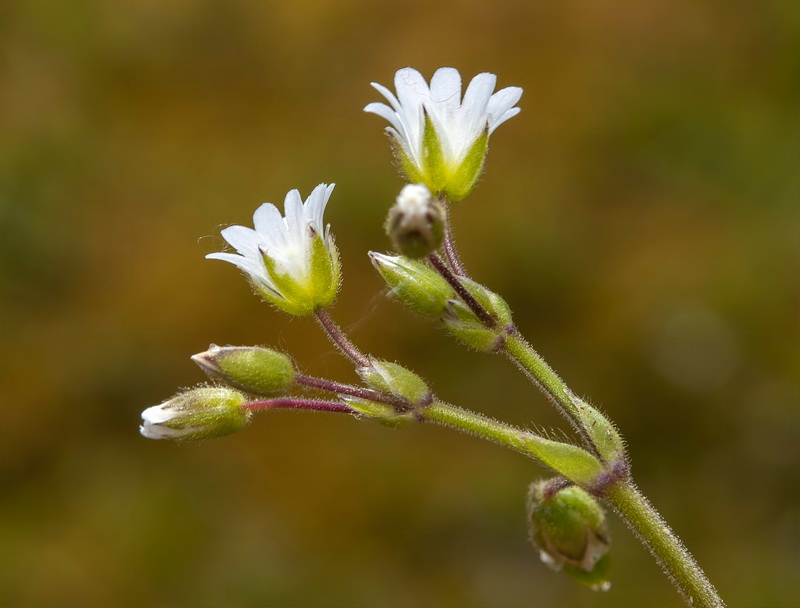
column 666, row 547
column 475, row 424
column 547, row 380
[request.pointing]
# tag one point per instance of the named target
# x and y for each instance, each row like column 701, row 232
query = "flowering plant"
column 441, row 141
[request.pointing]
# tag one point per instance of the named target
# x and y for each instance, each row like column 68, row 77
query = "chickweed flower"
column 291, row 261
column 440, row 139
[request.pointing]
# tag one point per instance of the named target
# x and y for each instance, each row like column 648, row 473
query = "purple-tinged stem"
column 293, row 403
column 348, row 389
column 339, row 338
column 449, row 244
column 480, row 312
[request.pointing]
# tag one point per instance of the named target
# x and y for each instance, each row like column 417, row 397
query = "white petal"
column 384, row 111
column 244, row 240
column 411, row 88
column 390, row 97
column 157, row 414
column 267, row 220
column 446, row 87
column 479, row 91
column 250, row 265
column 500, row 104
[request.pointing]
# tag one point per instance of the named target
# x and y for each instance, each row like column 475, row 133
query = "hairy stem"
column 677, row 563
column 449, row 244
column 547, row 380
column 473, row 304
column 339, row 338
column 294, row 403
column 348, row 389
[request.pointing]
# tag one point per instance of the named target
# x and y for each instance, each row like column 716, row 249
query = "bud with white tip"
column 199, row 413
column 416, row 222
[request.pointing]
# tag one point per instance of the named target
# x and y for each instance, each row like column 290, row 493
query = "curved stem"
column 677, row 563
column 339, row 338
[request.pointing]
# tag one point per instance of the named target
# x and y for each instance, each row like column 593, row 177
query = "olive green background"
column 641, row 216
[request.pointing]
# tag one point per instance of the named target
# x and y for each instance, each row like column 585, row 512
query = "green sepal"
column 416, row 285
column 435, row 172
column 254, row 369
column 325, row 272
column 380, row 412
column 293, row 297
column 405, row 164
column 395, row 380
column 464, row 326
column 569, row 527
column 601, row 430
column 463, row 179
column 597, row 578
column 492, row 302
column 574, row 463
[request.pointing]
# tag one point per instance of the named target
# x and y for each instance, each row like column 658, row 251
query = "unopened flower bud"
column 416, row 222
column 417, row 286
column 569, row 528
column 395, row 380
column 199, row 413
column 466, row 327
column 254, row 369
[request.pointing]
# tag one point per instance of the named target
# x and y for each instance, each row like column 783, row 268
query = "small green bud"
column 199, row 413
column 569, row 528
column 467, row 328
column 254, row 369
column 416, row 285
column 395, row 380
column 416, row 222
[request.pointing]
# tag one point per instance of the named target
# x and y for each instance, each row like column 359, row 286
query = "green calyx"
column 205, row 413
column 467, row 328
column 455, row 179
column 569, row 528
column 395, row 380
column 257, row 370
column 416, row 285
column 301, row 296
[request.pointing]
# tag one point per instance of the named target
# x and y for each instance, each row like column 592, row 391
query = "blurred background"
column 641, row 216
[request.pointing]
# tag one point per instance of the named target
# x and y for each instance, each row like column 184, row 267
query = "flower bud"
column 395, row 380
column 467, row 328
column 254, row 369
column 420, row 288
column 569, row 528
column 199, row 413
column 416, row 222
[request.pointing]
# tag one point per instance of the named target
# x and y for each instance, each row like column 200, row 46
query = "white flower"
column 291, row 261
column 441, row 139
column 199, row 413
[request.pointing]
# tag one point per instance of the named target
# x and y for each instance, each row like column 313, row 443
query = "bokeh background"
column 641, row 215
